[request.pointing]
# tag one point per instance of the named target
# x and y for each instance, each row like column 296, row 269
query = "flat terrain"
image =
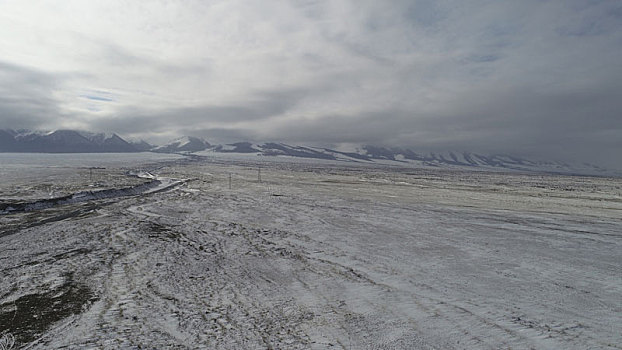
column 317, row 256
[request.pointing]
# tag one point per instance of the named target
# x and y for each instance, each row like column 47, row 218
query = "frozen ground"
column 318, row 256
column 32, row 176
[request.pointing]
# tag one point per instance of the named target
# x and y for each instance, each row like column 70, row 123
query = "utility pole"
column 259, row 175
column 229, row 180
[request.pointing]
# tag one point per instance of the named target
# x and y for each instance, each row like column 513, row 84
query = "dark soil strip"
column 31, row 315
column 85, row 196
column 86, row 209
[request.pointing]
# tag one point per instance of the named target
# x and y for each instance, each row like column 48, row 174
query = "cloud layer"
column 533, row 77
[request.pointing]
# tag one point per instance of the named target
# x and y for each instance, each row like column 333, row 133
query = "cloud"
column 526, row 77
column 27, row 97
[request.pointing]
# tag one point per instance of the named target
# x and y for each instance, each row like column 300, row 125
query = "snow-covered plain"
column 316, row 255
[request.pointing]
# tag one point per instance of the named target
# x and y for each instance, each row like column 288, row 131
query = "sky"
column 534, row 78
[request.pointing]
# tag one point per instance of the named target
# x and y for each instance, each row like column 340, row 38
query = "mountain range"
column 72, row 141
column 382, row 155
column 63, row 141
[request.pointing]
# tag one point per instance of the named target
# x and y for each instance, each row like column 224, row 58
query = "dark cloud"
column 26, row 98
column 260, row 106
column 566, row 124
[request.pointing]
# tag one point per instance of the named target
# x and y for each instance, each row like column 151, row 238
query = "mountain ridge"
column 62, row 141
column 401, row 156
column 72, row 141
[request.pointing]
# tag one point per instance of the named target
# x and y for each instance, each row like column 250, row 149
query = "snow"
column 91, row 135
column 177, row 143
column 182, row 141
column 228, row 147
column 349, row 148
column 326, row 254
column 460, row 157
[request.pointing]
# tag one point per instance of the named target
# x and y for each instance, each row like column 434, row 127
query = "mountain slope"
column 7, row 141
column 141, row 145
column 110, row 142
column 183, row 144
column 406, row 157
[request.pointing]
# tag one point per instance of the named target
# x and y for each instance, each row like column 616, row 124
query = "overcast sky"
column 528, row 77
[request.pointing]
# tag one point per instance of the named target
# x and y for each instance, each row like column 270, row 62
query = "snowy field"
column 310, row 255
column 30, row 176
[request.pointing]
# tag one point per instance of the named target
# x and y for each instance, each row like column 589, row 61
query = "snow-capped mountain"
column 475, row 160
column 141, row 145
column 183, row 144
column 239, row 147
column 400, row 156
column 109, row 142
column 62, row 141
